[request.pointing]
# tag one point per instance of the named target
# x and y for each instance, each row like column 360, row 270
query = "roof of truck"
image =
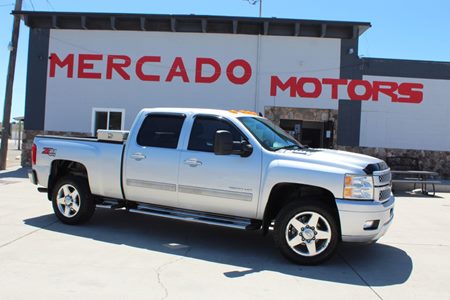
column 192, row 111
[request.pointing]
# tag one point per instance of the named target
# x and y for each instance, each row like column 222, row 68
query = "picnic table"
column 424, row 178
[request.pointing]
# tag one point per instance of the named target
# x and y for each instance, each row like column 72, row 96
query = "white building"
column 88, row 71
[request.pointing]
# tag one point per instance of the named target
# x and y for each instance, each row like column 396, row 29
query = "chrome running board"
column 110, row 205
column 190, row 216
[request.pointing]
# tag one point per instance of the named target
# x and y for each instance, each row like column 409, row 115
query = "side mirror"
column 246, row 149
column 223, row 143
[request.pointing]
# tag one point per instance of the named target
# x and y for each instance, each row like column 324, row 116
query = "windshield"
column 269, row 135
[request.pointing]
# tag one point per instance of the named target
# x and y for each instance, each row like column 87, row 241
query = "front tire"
column 72, row 200
column 306, row 232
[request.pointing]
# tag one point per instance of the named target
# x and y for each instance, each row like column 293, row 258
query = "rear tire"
column 72, row 200
column 306, row 232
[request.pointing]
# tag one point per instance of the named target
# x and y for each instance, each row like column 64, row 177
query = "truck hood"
column 348, row 162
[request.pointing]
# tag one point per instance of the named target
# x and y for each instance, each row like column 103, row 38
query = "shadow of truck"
column 374, row 265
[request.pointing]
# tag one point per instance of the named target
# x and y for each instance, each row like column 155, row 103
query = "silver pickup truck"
column 225, row 168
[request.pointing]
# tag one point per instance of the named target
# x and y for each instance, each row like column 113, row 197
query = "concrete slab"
column 13, row 155
column 123, row 255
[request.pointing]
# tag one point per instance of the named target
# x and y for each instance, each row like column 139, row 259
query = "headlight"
column 358, row 187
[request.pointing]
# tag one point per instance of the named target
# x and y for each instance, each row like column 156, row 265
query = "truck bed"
column 102, row 159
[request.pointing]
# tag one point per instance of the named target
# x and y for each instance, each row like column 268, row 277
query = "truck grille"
column 382, row 182
column 382, row 193
column 381, row 178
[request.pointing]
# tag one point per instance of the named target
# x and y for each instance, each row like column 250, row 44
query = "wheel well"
column 284, row 193
column 61, row 168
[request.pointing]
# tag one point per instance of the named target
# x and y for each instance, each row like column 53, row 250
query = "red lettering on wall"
column 140, row 63
column 334, row 85
column 202, row 61
column 178, row 70
column 385, row 87
column 84, row 66
column 113, row 64
column 309, row 80
column 238, row 72
column 66, row 62
column 411, row 92
column 276, row 83
column 352, row 87
column 246, row 68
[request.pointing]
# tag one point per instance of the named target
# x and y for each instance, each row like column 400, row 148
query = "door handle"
column 193, row 162
column 138, row 156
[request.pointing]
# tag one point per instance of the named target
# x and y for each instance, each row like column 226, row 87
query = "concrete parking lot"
column 13, row 156
column 121, row 255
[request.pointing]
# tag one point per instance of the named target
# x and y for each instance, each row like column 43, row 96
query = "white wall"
column 422, row 126
column 70, row 100
column 299, row 57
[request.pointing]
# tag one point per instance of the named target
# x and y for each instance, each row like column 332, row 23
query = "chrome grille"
column 382, row 193
column 382, row 182
column 381, row 178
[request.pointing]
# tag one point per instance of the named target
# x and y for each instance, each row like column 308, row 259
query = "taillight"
column 33, row 154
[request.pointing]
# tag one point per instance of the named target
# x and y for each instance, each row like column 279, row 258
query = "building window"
column 107, row 118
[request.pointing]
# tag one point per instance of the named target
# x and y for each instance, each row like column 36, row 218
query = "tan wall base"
column 437, row 161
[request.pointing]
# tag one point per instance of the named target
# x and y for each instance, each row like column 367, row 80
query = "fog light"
column 371, row 225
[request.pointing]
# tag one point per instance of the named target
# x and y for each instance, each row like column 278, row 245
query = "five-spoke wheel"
column 68, row 200
column 306, row 232
column 72, row 200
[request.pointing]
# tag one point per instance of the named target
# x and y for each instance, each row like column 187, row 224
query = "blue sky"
column 400, row 29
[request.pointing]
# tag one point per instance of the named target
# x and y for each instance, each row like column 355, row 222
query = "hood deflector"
column 375, row 167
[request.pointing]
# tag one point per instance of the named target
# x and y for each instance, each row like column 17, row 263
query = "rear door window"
column 159, row 130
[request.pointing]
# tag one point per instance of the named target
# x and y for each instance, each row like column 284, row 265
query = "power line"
column 32, row 4
column 253, row 2
column 50, row 4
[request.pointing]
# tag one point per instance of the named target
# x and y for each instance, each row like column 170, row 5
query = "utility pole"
column 9, row 87
column 260, row 8
column 253, row 2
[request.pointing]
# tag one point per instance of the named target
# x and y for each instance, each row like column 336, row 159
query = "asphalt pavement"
column 120, row 255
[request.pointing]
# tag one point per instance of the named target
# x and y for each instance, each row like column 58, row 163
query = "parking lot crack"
column 27, row 234
column 159, row 271
column 359, row 275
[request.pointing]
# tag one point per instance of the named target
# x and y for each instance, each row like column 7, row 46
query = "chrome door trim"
column 215, row 193
column 152, row 185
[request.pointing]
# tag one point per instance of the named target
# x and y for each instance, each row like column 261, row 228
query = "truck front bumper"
column 365, row 221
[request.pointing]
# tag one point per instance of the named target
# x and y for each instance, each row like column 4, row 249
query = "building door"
column 310, row 133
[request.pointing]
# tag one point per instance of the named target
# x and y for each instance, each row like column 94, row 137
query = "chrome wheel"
column 68, row 200
column 308, row 233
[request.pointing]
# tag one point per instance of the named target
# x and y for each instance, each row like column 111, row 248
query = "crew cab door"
column 152, row 160
column 223, row 184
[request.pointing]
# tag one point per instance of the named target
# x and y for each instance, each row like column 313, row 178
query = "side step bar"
column 110, row 205
column 231, row 222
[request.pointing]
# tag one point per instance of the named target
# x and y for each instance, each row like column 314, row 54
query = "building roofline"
column 405, row 61
column 193, row 23
column 422, row 69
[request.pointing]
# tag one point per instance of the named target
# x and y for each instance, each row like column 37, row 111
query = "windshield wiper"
column 288, row 147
